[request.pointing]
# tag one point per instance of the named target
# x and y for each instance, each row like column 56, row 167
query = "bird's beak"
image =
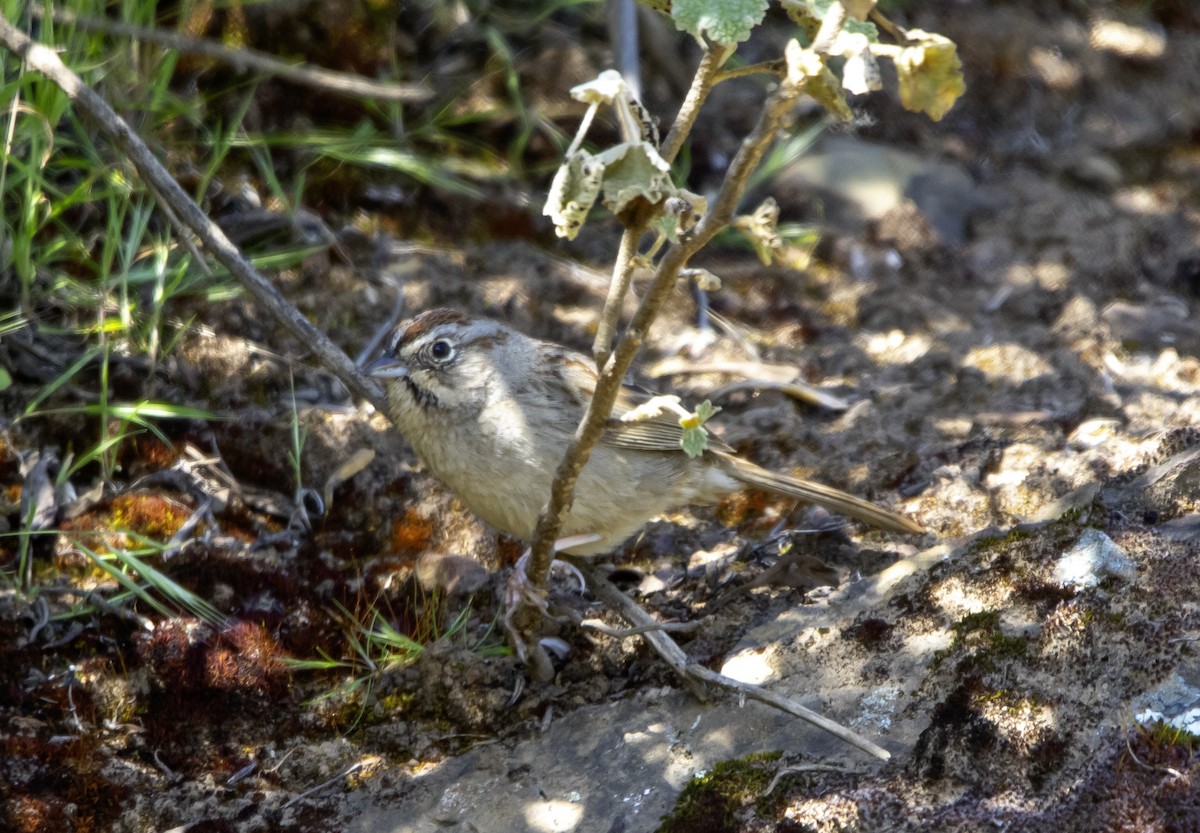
column 388, row 367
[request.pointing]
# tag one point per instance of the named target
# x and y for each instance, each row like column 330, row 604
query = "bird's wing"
column 637, row 423
column 633, row 424
column 661, row 432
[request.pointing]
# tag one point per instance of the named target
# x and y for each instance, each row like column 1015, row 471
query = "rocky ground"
column 1005, row 302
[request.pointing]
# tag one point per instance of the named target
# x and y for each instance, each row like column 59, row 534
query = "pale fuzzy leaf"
column 807, row 70
column 693, row 441
column 655, row 406
column 706, row 410
column 866, row 29
column 860, row 74
column 603, row 89
column 633, row 171
column 930, row 74
column 724, row 21
column 802, row 63
column 847, row 44
column 644, row 150
column 573, row 192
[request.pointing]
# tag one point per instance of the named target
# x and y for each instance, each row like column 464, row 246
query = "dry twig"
column 244, row 60
column 696, row 675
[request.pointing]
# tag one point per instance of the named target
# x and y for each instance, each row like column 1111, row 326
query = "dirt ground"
column 1011, row 320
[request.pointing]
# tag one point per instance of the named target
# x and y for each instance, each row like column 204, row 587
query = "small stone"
column 451, row 808
column 1093, row 432
column 1093, row 558
column 452, row 574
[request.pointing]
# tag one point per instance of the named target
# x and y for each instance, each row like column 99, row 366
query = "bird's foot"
column 520, row 592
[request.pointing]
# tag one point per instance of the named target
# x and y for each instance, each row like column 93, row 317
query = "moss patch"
column 710, row 803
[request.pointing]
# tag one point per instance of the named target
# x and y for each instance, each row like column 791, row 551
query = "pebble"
column 1094, row 558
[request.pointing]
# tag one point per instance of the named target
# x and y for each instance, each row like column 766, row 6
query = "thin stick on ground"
column 624, row 633
column 695, row 674
column 244, row 60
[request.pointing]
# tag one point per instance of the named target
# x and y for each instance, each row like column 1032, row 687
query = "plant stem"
column 778, row 67
column 706, row 74
column 617, row 289
column 703, row 82
column 608, row 385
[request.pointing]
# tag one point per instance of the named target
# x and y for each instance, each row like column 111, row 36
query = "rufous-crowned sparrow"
column 490, row 411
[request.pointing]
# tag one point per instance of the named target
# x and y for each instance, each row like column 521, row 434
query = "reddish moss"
column 190, row 658
column 411, row 534
column 54, row 786
column 146, row 453
column 152, row 515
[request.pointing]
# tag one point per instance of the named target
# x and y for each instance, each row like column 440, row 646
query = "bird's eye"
column 441, row 349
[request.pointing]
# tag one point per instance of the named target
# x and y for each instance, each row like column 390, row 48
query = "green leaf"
column 866, row 29
column 695, row 437
column 694, row 441
column 724, row 21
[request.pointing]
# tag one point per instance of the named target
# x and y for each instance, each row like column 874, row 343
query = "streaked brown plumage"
column 490, row 411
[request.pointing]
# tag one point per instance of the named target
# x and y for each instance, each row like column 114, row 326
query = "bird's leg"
column 518, row 592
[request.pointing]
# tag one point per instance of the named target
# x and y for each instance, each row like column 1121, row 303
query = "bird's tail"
column 832, row 499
